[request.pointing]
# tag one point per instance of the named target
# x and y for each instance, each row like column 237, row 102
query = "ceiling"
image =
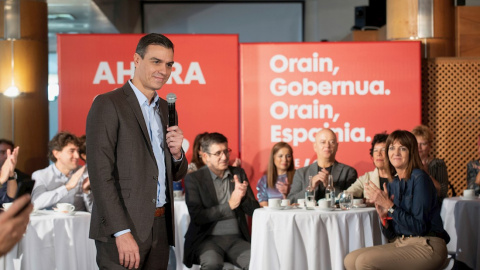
column 76, row 16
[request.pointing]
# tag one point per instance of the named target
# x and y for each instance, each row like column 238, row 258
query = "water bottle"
column 330, row 190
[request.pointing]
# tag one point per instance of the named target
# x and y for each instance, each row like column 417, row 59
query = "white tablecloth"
column 182, row 220
column 54, row 241
column 461, row 219
column 311, row 239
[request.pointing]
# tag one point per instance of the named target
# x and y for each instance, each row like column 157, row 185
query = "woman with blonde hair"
column 276, row 183
column 435, row 167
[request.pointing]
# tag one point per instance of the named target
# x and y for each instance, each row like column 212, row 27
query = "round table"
column 54, row 241
column 461, row 220
column 311, row 239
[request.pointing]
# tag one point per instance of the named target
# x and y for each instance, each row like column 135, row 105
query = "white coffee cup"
column 285, row 202
column 6, row 205
column 274, row 202
column 177, row 194
column 324, row 203
column 357, row 201
column 65, row 207
column 467, row 193
column 301, row 202
column 310, row 204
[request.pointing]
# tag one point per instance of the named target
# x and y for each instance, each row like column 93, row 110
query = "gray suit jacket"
column 343, row 177
column 205, row 211
column 122, row 167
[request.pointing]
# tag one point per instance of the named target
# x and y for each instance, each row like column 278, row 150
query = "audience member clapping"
column 62, row 181
column 325, row 146
column 8, row 183
column 276, row 183
column 380, row 175
column 8, row 188
column 409, row 212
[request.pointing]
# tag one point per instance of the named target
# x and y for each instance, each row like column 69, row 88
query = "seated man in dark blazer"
column 326, row 147
column 218, row 196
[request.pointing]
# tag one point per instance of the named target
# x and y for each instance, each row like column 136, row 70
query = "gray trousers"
column 216, row 249
column 412, row 253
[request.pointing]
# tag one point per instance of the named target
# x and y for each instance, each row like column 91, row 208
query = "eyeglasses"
column 219, row 153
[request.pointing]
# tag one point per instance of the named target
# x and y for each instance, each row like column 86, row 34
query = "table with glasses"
column 311, row 239
column 461, row 219
column 54, row 241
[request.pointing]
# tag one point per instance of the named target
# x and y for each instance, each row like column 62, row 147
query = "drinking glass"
column 310, row 195
column 329, row 188
column 345, row 200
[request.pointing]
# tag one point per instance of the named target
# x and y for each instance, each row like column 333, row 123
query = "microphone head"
column 171, row 98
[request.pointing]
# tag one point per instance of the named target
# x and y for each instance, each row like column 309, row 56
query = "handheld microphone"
column 171, row 98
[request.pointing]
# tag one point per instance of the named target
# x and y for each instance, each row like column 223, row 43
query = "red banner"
column 204, row 78
column 289, row 91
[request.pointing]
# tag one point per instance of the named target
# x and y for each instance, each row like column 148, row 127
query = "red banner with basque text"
column 291, row 90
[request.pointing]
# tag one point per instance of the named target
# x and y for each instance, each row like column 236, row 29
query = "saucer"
column 64, row 213
column 360, row 205
column 469, row 198
column 274, row 207
column 323, row 209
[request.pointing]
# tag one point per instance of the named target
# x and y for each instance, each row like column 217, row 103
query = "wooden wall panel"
column 451, row 108
column 467, row 25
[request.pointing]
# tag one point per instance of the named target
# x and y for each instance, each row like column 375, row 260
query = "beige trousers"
column 410, row 253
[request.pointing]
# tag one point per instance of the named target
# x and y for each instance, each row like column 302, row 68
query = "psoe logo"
column 104, row 73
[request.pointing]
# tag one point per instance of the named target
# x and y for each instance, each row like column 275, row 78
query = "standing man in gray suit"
column 133, row 157
column 326, row 147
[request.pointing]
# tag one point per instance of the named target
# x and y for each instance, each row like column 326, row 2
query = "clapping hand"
column 86, row 185
column 283, row 188
column 72, row 183
column 8, row 167
column 320, row 177
column 379, row 198
column 238, row 193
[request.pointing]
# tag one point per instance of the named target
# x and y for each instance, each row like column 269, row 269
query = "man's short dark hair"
column 5, row 141
column 152, row 39
column 59, row 141
column 212, row 138
column 378, row 138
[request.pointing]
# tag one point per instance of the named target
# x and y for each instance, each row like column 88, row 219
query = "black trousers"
column 154, row 251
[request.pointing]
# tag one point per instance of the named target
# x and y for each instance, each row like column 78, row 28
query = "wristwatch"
column 14, row 177
column 392, row 209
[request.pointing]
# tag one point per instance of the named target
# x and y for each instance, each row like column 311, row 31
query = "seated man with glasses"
column 380, row 175
column 326, row 147
column 218, row 197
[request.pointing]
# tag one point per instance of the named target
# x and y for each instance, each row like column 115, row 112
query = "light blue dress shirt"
column 155, row 131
